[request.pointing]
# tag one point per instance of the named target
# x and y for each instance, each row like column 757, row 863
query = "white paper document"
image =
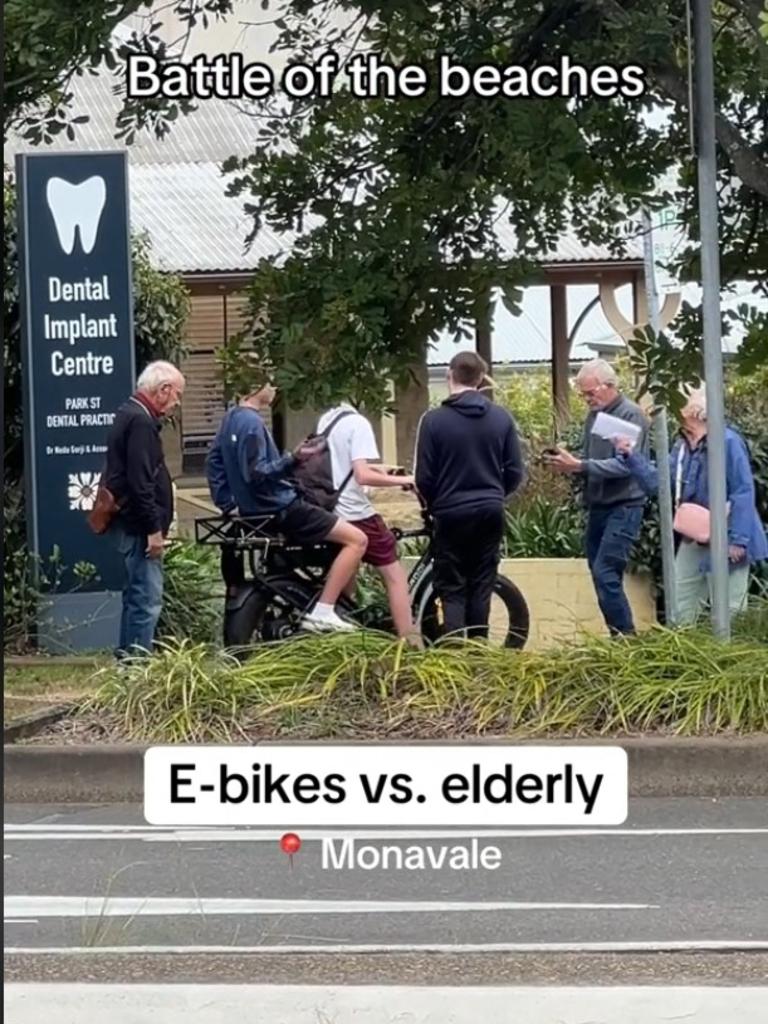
column 610, row 427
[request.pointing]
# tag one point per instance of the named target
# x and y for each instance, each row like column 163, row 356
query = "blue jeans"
column 142, row 594
column 611, row 532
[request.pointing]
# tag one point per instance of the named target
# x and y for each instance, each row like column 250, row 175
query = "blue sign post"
column 79, row 365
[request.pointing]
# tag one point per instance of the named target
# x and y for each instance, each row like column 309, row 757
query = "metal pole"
column 661, row 443
column 710, row 282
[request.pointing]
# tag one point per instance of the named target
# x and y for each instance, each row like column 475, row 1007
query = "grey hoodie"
column 607, row 480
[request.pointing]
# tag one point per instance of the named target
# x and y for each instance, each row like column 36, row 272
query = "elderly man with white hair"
column 613, row 496
column 688, row 468
column 138, row 478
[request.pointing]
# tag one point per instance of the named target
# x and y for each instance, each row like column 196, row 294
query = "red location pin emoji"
column 290, row 844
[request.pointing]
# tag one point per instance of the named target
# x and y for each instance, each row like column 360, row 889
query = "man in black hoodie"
column 468, row 463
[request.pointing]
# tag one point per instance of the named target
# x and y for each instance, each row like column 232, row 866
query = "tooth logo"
column 76, row 206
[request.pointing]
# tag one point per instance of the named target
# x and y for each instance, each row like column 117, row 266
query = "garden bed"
column 369, row 687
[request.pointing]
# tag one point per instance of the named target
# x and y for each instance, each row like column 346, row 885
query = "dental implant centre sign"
column 77, row 338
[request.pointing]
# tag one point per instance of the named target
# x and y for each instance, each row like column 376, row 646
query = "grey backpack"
column 313, row 478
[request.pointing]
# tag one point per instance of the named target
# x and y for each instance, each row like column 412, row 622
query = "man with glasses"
column 613, row 498
column 138, row 478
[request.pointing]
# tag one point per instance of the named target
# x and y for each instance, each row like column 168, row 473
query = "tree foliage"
column 160, row 310
column 397, row 200
column 48, row 43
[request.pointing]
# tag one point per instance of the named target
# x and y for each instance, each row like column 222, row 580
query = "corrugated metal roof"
column 569, row 248
column 196, row 227
column 213, row 132
column 193, row 225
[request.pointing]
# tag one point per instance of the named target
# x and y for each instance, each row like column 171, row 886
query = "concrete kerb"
column 29, row 725
column 658, row 767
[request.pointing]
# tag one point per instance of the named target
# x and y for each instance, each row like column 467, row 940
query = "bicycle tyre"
column 243, row 624
column 518, row 614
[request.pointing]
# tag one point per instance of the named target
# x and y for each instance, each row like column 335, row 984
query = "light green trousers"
column 694, row 588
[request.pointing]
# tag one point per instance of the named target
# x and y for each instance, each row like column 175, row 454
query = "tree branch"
column 748, row 164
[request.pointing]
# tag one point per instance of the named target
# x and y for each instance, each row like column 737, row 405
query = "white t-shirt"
column 351, row 438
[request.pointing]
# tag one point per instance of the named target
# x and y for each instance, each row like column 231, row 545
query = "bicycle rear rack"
column 234, row 531
column 245, row 533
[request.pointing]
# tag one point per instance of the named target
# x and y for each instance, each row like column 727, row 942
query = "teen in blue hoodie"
column 247, row 473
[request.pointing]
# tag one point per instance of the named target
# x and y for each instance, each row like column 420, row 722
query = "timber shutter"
column 213, row 319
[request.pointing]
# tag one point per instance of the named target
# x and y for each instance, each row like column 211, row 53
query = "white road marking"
column 159, row 834
column 92, row 827
column 162, row 906
column 682, row 946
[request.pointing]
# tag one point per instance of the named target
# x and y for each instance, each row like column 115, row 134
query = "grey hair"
column 156, row 374
column 696, row 402
column 600, row 370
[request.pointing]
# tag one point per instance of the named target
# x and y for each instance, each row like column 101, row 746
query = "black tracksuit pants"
column 467, row 545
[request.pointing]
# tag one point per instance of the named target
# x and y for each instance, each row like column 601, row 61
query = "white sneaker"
column 326, row 622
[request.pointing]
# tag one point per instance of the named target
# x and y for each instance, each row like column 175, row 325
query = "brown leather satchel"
column 104, row 510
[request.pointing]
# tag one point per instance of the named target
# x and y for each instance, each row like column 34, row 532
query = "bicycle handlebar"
column 424, row 531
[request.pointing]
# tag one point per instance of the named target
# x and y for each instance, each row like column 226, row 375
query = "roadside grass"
column 752, row 624
column 371, row 686
column 31, row 687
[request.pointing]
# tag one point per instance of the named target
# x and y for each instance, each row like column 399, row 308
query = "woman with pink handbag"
column 747, row 541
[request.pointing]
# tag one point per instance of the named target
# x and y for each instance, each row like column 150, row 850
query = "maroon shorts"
column 382, row 547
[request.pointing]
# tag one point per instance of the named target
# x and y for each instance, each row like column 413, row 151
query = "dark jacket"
column 244, row 468
column 607, row 478
column 136, row 472
column 467, row 454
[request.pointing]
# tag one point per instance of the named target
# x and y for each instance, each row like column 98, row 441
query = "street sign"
column 668, row 239
column 79, row 365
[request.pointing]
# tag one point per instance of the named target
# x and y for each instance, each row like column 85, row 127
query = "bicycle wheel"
column 260, row 617
column 509, row 621
column 243, row 620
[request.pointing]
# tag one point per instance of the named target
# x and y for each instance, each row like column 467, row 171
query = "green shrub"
column 184, row 693
column 29, row 581
column 528, row 396
column 193, row 594
column 193, row 597
column 747, row 410
column 371, row 686
column 543, row 529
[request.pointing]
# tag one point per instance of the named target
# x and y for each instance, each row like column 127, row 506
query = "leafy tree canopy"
column 48, row 43
column 396, row 200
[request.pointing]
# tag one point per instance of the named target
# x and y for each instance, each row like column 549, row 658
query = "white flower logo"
column 82, row 491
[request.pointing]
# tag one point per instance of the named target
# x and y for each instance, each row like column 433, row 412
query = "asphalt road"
column 681, row 874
